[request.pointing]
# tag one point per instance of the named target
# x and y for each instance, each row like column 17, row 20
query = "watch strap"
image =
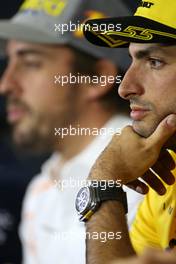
column 112, row 193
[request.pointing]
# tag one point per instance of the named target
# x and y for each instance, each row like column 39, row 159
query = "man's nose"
column 131, row 84
column 8, row 81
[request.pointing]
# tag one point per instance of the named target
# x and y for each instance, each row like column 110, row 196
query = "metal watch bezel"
column 92, row 202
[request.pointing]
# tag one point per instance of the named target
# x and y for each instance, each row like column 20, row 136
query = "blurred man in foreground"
column 48, row 108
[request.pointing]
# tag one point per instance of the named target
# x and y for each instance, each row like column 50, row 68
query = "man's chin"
column 142, row 130
column 147, row 132
column 30, row 141
column 24, row 143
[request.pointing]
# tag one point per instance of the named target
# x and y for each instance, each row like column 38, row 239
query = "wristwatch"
column 89, row 199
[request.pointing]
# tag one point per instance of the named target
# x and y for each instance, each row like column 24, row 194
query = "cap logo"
column 50, row 7
column 137, row 33
column 146, row 4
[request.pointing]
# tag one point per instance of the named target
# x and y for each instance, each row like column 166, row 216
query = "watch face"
column 82, row 199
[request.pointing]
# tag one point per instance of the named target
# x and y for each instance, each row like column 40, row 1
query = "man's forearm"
column 108, row 220
column 120, row 160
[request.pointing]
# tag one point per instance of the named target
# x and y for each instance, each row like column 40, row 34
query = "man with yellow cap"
column 141, row 150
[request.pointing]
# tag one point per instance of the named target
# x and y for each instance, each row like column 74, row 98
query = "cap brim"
column 124, row 30
column 14, row 30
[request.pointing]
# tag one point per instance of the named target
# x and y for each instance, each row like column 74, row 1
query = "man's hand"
column 129, row 156
column 150, row 257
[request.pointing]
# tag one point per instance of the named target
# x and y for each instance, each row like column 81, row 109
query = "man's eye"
column 32, row 64
column 156, row 63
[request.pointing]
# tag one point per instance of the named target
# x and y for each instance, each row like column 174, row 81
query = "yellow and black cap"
column 153, row 22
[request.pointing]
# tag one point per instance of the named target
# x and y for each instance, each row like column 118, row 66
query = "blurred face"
column 150, row 85
column 36, row 105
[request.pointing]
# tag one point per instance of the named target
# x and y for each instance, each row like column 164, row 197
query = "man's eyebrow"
column 141, row 54
column 25, row 52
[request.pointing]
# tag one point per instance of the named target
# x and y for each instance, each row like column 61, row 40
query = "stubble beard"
column 33, row 135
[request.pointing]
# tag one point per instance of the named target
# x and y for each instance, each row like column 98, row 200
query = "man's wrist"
column 100, row 175
column 90, row 198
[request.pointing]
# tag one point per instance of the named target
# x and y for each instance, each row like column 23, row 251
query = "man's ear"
column 106, row 73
